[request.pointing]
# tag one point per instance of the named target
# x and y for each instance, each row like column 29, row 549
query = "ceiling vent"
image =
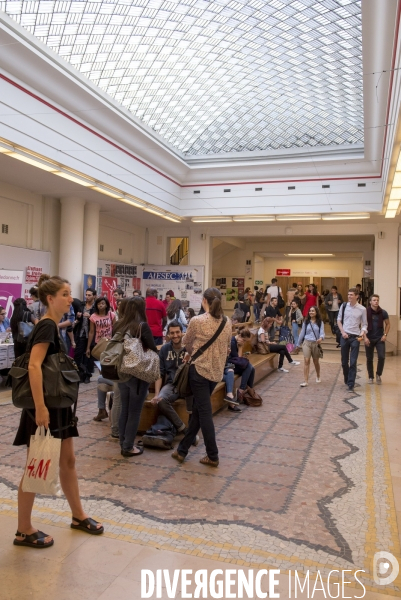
column 258, row 189
column 227, row 190
column 4, row 229
column 361, row 184
column 196, row 191
column 325, row 186
column 291, row 187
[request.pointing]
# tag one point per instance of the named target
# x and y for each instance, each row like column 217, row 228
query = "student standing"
column 312, row 334
column 353, row 326
column 312, row 299
column 295, row 318
column 205, row 372
column 55, row 294
column 21, row 313
column 156, row 314
column 132, row 389
column 333, row 303
column 272, row 311
column 378, row 328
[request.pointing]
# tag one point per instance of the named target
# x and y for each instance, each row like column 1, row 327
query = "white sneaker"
column 304, row 384
column 283, row 370
column 318, row 380
column 295, row 362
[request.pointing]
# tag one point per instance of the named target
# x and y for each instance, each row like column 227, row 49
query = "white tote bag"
column 42, row 467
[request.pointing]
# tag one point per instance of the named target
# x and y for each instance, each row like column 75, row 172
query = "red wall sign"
column 283, row 272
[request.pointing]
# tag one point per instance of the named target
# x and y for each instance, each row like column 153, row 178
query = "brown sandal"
column 207, row 461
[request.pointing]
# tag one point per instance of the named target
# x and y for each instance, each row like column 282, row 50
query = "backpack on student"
column 112, row 356
column 161, row 435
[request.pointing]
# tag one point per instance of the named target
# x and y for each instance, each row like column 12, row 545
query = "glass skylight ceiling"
column 221, row 75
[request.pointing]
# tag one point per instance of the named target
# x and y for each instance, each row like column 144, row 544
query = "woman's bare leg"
column 317, row 367
column 25, row 505
column 69, row 480
column 306, row 369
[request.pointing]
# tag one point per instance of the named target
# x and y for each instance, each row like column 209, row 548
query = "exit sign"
column 283, row 272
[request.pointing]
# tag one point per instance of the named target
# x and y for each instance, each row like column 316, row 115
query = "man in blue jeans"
column 353, row 325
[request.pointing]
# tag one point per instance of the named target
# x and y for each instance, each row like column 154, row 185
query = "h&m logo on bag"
column 39, row 471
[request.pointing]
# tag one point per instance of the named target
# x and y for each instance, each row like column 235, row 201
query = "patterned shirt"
column 211, row 363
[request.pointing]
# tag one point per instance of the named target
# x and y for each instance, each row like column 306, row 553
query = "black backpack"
column 161, row 435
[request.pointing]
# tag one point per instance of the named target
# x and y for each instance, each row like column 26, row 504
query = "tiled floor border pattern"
column 379, row 504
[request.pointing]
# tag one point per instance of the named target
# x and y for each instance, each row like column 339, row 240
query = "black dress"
column 46, row 331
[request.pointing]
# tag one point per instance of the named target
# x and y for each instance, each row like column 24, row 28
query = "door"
column 342, row 284
column 318, row 283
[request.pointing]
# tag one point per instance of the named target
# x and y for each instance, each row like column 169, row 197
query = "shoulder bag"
column 181, row 377
column 25, row 328
column 319, row 346
column 137, row 362
column 60, row 380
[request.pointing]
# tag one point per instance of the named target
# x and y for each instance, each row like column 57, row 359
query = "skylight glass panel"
column 217, row 76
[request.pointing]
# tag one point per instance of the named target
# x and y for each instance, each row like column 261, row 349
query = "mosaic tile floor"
column 303, row 483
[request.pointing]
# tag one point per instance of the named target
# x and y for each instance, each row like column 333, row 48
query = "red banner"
column 283, row 272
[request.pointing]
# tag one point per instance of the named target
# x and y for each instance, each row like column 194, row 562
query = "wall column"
column 386, row 276
column 201, row 253
column 71, row 242
column 91, row 238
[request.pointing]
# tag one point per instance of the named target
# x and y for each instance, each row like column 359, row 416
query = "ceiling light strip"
column 41, row 162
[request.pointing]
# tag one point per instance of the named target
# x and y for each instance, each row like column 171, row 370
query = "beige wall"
column 324, row 267
column 115, row 234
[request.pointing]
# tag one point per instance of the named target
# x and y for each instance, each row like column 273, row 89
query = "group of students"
column 212, row 353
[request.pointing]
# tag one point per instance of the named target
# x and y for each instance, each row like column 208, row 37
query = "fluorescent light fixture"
column 74, row 178
column 393, row 204
column 243, row 218
column 397, row 180
column 305, row 217
column 107, row 192
column 395, row 194
column 132, row 202
column 33, row 161
column 211, row 219
column 6, row 148
column 344, row 216
column 390, row 214
column 309, row 254
column 171, row 218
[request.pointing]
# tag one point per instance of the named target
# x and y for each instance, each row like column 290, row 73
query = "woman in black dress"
column 55, row 294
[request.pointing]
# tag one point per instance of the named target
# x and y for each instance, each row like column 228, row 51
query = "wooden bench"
column 264, row 365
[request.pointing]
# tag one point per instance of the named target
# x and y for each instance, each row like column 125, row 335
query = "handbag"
column 262, row 348
column 60, row 380
column 99, row 348
column 24, row 329
column 137, row 362
column 319, row 346
column 251, row 397
column 181, row 377
column 240, row 363
column 42, row 467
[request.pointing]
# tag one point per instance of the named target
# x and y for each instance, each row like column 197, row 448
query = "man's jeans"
column 349, row 358
column 202, row 417
column 256, row 311
column 165, row 406
column 133, row 395
column 102, row 385
column 381, row 354
column 228, row 379
column 115, row 409
column 332, row 314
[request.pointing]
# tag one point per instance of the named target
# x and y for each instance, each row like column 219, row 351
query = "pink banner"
column 10, row 289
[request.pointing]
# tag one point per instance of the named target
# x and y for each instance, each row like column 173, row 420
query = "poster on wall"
column 89, row 282
column 127, row 277
column 185, row 282
column 32, row 275
column 109, row 284
column 10, row 288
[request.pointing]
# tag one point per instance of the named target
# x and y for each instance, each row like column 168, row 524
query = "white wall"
column 325, row 267
column 115, row 234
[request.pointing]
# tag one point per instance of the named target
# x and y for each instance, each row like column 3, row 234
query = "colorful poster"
column 10, row 288
column 109, row 284
column 185, row 282
column 33, row 274
column 89, row 282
